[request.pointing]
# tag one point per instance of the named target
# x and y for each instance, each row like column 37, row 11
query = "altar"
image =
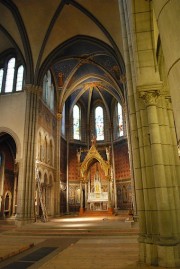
column 98, row 201
column 95, row 182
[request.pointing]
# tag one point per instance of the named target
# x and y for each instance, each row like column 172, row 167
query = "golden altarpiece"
column 96, row 181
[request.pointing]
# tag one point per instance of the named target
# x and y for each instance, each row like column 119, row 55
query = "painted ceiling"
column 80, row 40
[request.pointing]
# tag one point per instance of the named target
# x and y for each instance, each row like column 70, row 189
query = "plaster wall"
column 12, row 117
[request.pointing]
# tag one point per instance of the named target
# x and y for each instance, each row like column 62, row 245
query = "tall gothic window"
column 1, row 78
column 48, row 90
column 63, row 121
column 99, row 123
column 76, row 122
column 120, row 120
column 19, row 80
column 10, row 75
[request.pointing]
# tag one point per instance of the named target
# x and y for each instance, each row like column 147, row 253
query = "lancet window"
column 11, row 76
column 63, row 121
column 99, row 123
column 76, row 122
column 48, row 90
column 120, row 119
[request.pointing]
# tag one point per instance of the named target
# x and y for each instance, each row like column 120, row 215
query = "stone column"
column 1, row 192
column 86, row 194
column 128, row 82
column 58, row 161
column 26, row 182
column 109, row 195
column 15, row 188
column 160, row 244
column 168, row 16
column 81, row 199
column 67, row 176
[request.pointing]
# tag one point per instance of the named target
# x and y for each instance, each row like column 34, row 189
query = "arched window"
column 76, row 122
column 120, row 120
column 45, row 149
column 19, row 80
column 10, row 75
column 52, row 97
column 51, row 153
column 63, row 121
column 48, row 90
column 99, row 123
column 1, row 78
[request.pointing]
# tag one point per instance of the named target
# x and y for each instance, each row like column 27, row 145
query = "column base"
column 158, row 255
column 110, row 210
column 21, row 220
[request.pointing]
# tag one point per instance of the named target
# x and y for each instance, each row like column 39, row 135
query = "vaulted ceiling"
column 80, row 39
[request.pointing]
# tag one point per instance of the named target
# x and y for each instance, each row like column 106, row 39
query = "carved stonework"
column 123, row 78
column 93, row 154
column 149, row 97
column 59, row 116
column 168, row 102
column 33, row 89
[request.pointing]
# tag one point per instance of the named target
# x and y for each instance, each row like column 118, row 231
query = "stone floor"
column 71, row 243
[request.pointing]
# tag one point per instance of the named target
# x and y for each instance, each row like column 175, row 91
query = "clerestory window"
column 11, row 76
column 120, row 120
column 76, row 122
column 48, row 90
column 99, row 123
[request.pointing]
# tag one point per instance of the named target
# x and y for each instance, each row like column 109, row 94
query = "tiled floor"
column 77, row 243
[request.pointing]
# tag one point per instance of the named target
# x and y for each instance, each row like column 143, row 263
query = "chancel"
column 90, row 105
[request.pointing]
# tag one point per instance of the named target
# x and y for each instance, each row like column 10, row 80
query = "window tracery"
column 45, row 148
column 120, row 120
column 48, row 90
column 99, row 123
column 76, row 122
column 11, row 76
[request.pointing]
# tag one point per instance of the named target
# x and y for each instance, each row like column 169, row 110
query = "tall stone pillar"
column 15, row 188
column 81, row 199
column 26, row 181
column 86, row 193
column 160, row 245
column 168, row 16
column 58, row 161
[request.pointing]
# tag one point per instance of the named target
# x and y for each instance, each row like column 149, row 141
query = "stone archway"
column 9, row 171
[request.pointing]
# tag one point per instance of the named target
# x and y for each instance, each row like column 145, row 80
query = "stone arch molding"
column 48, row 173
column 43, row 137
column 16, row 139
column 93, row 155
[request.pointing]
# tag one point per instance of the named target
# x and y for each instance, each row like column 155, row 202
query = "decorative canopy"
column 92, row 157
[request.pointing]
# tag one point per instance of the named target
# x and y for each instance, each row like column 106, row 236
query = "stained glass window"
column 1, row 78
column 10, row 75
column 99, row 123
column 63, row 121
column 19, row 81
column 76, row 122
column 120, row 120
column 48, row 90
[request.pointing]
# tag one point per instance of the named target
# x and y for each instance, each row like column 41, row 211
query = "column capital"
column 33, row 89
column 168, row 102
column 59, row 116
column 149, row 97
